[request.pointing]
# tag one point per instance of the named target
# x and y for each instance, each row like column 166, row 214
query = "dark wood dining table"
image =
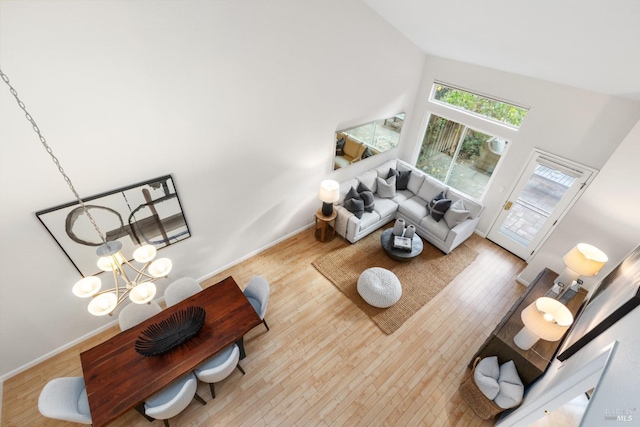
column 118, row 378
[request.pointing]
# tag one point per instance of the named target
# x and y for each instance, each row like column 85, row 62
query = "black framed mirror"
column 360, row 142
column 145, row 213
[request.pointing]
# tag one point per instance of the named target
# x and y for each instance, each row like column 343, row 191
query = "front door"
column 545, row 191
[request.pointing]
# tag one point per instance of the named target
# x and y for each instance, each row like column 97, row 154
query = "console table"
column 533, row 362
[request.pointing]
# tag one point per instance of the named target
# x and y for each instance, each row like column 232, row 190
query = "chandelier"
column 141, row 288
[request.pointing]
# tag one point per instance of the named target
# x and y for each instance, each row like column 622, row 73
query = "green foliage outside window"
column 486, row 107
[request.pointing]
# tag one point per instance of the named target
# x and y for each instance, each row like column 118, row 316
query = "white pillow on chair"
column 511, row 388
column 486, row 376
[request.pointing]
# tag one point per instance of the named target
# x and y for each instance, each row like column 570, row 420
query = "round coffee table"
column 386, row 240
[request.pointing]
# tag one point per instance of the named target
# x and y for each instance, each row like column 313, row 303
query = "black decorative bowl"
column 171, row 332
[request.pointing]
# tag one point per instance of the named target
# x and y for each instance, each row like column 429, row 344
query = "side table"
column 322, row 222
column 532, row 363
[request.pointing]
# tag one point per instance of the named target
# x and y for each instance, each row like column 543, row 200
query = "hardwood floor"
column 324, row 362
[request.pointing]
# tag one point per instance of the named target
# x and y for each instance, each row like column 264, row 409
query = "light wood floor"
column 324, row 362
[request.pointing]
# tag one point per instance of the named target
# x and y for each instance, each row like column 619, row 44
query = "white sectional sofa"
column 411, row 204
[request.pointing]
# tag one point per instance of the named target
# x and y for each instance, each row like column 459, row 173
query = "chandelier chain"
column 53, row 157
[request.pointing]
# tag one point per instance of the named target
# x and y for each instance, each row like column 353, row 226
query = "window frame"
column 467, row 126
column 432, row 99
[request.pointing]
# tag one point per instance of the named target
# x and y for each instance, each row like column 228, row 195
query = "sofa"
column 441, row 216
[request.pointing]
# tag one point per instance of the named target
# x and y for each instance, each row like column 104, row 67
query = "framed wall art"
column 616, row 295
column 145, row 213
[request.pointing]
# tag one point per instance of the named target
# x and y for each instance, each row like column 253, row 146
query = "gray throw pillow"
column 402, row 178
column 456, row 214
column 367, row 197
column 438, row 206
column 387, row 188
column 354, row 203
column 340, row 147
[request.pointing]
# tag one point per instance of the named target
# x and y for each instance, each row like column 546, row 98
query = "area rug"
column 421, row 278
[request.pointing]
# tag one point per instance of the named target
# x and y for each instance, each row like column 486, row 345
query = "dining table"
column 118, row 378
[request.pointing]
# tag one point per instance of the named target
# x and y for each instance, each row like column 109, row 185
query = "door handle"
column 508, row 205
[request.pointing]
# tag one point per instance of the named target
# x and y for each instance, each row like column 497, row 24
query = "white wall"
column 238, row 100
column 583, row 126
column 606, row 216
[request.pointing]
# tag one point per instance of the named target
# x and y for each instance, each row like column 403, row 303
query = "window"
column 488, row 108
column 461, row 157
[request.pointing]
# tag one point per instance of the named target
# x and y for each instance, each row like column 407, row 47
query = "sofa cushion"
column 368, row 219
column 369, row 179
column 367, row 197
column 386, row 187
column 402, row 178
column 383, row 169
column 430, row 188
column 414, row 209
column 385, row 207
column 340, row 147
column 456, row 214
column 367, row 153
column 354, row 203
column 439, row 229
column 402, row 195
column 438, row 206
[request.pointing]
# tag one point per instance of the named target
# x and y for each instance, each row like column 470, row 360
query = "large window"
column 480, row 105
column 461, row 157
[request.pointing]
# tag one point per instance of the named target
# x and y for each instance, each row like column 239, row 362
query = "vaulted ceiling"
column 590, row 44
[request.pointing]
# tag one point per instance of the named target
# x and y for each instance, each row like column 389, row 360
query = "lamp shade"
column 547, row 318
column 143, row 293
column 585, row 259
column 87, row 287
column 144, row 253
column 103, row 304
column 329, row 191
column 160, row 267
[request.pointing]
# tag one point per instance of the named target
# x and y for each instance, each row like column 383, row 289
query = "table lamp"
column 329, row 192
column 582, row 260
column 545, row 318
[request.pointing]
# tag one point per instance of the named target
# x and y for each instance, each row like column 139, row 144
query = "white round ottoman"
column 379, row 287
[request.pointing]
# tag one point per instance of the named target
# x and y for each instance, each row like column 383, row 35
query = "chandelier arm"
column 53, row 157
column 140, row 272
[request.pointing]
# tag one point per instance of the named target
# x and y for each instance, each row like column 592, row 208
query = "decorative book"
column 403, row 243
column 161, row 337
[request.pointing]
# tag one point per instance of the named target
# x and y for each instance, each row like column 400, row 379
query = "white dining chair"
column 175, row 397
column 65, row 399
column 181, row 289
column 219, row 367
column 257, row 292
column 133, row 314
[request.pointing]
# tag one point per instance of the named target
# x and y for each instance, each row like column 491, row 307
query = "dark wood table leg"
column 240, row 343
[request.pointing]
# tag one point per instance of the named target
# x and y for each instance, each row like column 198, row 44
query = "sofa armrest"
column 460, row 233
